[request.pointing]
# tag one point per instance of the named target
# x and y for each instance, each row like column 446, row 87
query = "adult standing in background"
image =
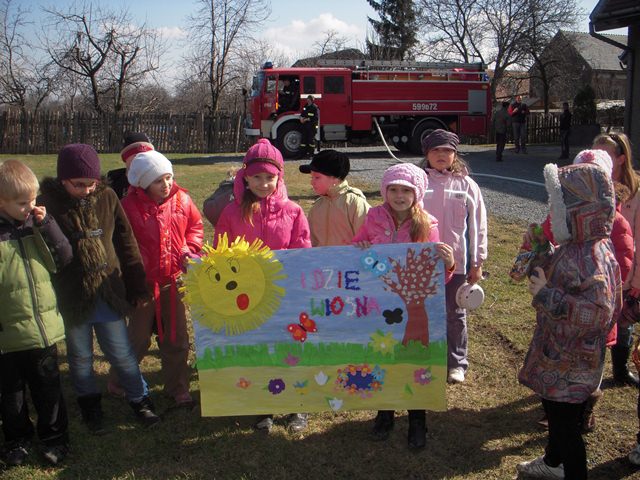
column 519, row 112
column 501, row 121
column 565, row 130
column 309, row 119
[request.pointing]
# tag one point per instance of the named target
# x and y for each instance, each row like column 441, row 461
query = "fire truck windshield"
column 256, row 84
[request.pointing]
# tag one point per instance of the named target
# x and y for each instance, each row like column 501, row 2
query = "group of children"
column 578, row 297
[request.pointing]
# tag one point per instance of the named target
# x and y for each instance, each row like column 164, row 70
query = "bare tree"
column 546, row 18
column 495, row 32
column 217, row 32
column 100, row 46
column 24, row 79
column 331, row 42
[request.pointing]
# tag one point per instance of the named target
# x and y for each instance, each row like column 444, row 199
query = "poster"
column 308, row 330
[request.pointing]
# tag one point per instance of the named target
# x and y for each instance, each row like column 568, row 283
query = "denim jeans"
column 112, row 336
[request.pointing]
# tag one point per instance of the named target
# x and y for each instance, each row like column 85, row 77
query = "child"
column 455, row 200
column 339, row 212
column 619, row 149
column 134, row 143
column 169, row 231
column 402, row 218
column 575, row 297
column 31, row 245
column 261, row 209
column 96, row 290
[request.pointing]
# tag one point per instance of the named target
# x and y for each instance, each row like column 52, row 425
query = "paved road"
column 504, row 196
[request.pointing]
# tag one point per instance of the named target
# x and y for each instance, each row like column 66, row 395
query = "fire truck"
column 360, row 100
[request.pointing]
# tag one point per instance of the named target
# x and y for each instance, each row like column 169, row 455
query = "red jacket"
column 166, row 233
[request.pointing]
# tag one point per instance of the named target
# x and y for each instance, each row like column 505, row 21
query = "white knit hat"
column 597, row 157
column 147, row 167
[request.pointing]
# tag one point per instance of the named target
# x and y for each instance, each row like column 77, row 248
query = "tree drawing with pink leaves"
column 416, row 281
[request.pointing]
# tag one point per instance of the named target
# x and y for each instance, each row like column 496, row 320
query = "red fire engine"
column 407, row 100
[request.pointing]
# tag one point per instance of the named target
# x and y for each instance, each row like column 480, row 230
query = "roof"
column 347, row 54
column 599, row 55
column 610, row 14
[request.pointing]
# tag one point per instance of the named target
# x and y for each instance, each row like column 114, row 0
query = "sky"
column 293, row 27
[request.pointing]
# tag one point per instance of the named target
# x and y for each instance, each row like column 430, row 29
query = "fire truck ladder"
column 399, row 65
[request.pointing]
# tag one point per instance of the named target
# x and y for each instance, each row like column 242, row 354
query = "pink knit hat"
column 263, row 157
column 406, row 174
column 597, row 157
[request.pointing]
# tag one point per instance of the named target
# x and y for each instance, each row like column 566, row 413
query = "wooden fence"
column 47, row 131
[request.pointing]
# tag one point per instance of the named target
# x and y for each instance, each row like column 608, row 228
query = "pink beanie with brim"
column 258, row 166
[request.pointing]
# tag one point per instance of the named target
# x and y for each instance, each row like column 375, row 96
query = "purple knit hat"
column 440, row 138
column 406, row 174
column 78, row 160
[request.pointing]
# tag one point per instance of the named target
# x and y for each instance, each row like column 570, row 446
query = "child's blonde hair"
column 250, row 204
column 420, row 224
column 620, row 142
column 16, row 180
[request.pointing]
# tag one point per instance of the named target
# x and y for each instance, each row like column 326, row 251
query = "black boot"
column 417, row 436
column 621, row 373
column 91, row 408
column 144, row 410
column 383, row 424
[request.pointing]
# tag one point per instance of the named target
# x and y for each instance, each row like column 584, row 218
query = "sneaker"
column 536, row 468
column 55, row 454
column 144, row 410
column 456, row 375
column 297, row 422
column 16, row 455
column 264, row 423
column 383, row 424
column 634, row 455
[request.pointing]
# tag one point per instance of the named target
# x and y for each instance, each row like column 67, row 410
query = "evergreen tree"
column 395, row 31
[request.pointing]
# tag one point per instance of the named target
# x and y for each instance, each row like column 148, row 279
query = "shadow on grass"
column 460, row 442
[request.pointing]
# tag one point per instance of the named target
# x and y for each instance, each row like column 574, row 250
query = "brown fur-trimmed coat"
column 106, row 260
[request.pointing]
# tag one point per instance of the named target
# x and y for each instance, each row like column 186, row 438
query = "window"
column 333, row 84
column 271, row 84
column 309, row 85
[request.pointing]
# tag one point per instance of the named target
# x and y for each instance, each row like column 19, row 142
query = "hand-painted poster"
column 332, row 328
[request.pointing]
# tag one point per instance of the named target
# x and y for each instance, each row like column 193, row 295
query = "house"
column 574, row 59
column 511, row 84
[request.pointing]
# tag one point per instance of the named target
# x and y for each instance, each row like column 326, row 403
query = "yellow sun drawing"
column 233, row 288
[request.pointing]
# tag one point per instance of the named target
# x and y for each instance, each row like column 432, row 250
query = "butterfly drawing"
column 392, row 316
column 371, row 263
column 299, row 330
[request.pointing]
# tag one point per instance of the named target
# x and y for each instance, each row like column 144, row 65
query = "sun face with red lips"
column 233, row 287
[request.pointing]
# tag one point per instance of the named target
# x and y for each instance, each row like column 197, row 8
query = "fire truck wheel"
column 289, row 139
column 421, row 131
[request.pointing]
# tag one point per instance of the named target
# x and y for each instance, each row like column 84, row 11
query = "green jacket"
column 30, row 318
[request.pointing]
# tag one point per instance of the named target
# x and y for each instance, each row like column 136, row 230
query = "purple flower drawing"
column 276, row 386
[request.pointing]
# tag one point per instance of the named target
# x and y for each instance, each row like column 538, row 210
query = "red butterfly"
column 299, row 330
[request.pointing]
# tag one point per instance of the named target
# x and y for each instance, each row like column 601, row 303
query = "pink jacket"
column 631, row 211
column 379, row 227
column 455, row 200
column 280, row 223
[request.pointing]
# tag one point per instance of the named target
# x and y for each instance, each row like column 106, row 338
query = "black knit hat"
column 78, row 160
column 329, row 162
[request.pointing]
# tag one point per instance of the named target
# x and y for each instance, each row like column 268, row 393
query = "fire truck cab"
column 406, row 100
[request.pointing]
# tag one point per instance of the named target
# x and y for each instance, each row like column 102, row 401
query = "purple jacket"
column 576, row 307
column 280, row 223
column 455, row 200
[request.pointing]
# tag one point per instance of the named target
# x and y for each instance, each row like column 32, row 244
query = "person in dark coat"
column 309, row 119
column 565, row 130
column 134, row 143
column 101, row 284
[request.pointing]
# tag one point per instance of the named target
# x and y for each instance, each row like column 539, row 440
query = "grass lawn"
column 489, row 427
